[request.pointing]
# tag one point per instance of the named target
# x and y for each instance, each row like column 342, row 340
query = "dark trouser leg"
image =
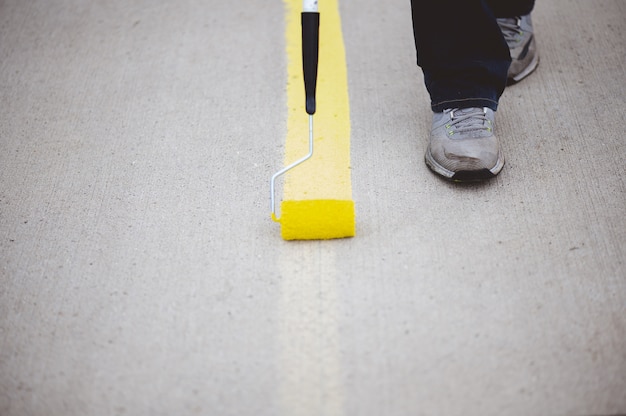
column 510, row 8
column 461, row 51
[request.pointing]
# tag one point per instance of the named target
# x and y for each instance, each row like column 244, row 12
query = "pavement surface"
column 140, row 273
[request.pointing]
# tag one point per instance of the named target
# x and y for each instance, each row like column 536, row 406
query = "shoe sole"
column 465, row 175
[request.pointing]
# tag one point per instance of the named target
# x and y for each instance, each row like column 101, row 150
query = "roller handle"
column 310, row 52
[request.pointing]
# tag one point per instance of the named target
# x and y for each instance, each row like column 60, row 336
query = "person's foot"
column 462, row 145
column 518, row 33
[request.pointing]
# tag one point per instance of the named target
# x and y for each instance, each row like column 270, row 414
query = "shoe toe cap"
column 466, row 155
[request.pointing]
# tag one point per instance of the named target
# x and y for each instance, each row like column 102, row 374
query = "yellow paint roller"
column 317, row 201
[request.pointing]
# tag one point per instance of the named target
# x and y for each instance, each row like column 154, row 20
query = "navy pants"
column 461, row 50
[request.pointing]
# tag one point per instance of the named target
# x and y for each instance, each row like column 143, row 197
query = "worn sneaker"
column 518, row 33
column 462, row 145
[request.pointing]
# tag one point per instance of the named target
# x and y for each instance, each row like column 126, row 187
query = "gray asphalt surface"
column 140, row 273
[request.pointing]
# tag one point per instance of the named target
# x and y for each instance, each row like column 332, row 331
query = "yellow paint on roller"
column 317, row 219
column 317, row 201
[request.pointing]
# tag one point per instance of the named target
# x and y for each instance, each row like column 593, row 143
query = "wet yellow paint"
column 323, row 181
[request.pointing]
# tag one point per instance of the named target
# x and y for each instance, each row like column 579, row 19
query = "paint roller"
column 316, row 218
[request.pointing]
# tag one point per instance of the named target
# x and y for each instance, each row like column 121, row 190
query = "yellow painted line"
column 311, row 382
column 317, row 200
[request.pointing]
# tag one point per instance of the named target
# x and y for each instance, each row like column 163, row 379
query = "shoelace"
column 511, row 29
column 468, row 119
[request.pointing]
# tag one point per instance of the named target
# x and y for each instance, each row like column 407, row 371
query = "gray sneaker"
column 462, row 145
column 518, row 33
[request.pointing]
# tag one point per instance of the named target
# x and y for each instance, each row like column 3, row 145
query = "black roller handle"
column 310, row 52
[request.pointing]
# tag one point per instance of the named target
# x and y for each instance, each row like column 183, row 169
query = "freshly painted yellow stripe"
column 324, row 180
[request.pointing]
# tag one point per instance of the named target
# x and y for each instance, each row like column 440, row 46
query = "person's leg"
column 511, row 8
column 464, row 58
column 517, row 27
column 461, row 51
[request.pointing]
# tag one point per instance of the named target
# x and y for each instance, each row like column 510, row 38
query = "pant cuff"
column 465, row 103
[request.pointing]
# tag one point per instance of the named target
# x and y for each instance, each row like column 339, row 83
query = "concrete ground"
column 140, row 273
